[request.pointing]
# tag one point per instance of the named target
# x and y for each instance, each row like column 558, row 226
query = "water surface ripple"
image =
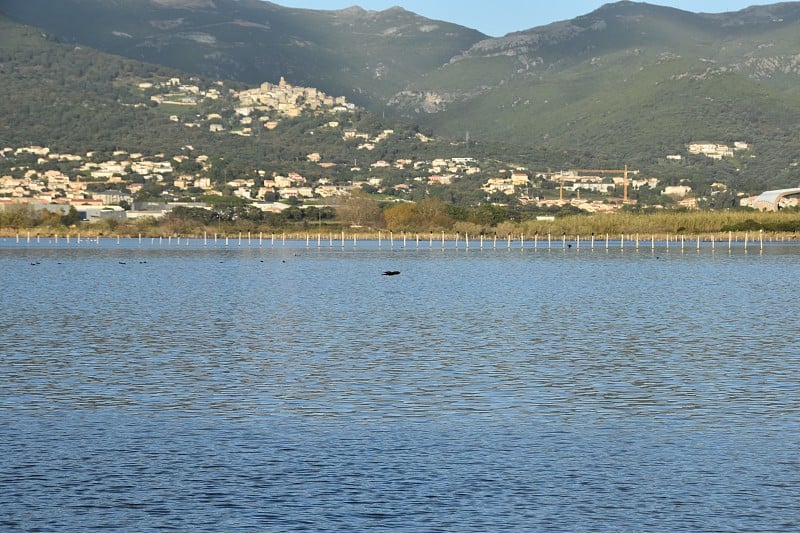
column 285, row 387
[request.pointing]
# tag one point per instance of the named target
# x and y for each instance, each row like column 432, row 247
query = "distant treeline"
column 361, row 214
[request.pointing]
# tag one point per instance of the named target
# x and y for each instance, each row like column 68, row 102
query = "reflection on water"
column 293, row 387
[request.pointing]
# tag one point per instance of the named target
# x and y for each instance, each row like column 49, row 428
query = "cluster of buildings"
column 264, row 105
column 569, row 180
column 267, row 103
column 289, row 100
column 98, row 187
column 774, row 200
column 714, row 150
column 173, row 91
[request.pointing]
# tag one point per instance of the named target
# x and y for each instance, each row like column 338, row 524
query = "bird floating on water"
column 391, row 272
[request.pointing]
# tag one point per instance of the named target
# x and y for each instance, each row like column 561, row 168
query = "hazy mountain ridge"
column 748, row 41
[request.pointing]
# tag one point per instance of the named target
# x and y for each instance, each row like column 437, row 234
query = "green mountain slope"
column 356, row 53
column 628, row 83
column 72, row 98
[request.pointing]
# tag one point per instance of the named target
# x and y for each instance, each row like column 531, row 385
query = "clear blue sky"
column 499, row 17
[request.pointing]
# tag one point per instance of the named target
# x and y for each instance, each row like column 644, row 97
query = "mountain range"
column 628, row 83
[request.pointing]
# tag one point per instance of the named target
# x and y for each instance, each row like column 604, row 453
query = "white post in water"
column 564, row 241
column 355, row 239
column 713, row 243
column 417, row 243
column 745, row 241
column 466, row 241
column 391, row 239
column 521, row 241
column 698, row 243
column 761, row 239
column 319, row 240
column 622, row 241
column 442, row 240
column 308, row 240
column 260, row 238
column 508, row 239
column 404, row 240
column 578, row 241
column 683, row 241
column 607, row 241
column 379, row 238
column 652, row 242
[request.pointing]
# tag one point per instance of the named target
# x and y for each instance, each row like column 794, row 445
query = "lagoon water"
column 280, row 386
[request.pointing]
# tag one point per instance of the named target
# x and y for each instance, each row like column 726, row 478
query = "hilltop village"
column 102, row 185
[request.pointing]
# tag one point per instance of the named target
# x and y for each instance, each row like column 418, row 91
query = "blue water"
column 279, row 386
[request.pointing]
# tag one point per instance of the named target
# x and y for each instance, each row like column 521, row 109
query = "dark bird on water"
column 391, row 273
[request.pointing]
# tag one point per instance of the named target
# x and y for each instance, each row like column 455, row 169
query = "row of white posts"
column 549, row 242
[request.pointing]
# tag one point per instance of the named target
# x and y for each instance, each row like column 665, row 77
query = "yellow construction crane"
column 623, row 171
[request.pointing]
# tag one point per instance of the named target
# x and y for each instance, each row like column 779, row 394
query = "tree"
column 401, row 217
column 359, row 209
column 71, row 218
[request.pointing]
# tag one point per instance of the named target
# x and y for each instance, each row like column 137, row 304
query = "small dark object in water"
column 391, row 273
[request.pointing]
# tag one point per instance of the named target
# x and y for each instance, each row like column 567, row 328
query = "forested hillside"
column 630, row 83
